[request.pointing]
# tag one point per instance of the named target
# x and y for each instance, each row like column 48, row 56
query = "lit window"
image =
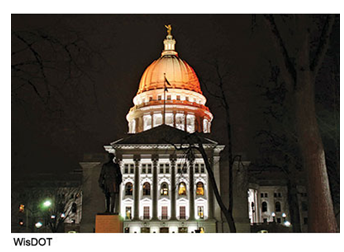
column 182, row 212
column 146, row 188
column 264, row 207
column 205, row 125
column 180, row 121
column 182, row 189
column 150, row 98
column 190, row 123
column 200, row 189
column 187, row 98
column 146, row 212
column 178, row 97
column 128, row 213
column 169, row 119
column 169, row 97
column 159, row 97
column 129, row 189
column 277, row 207
column 147, row 122
column 164, row 189
column 164, row 212
column 200, row 212
column 157, row 119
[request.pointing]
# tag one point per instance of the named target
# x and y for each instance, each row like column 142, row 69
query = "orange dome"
column 178, row 73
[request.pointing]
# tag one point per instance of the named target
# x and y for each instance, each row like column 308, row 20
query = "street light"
column 284, row 216
column 273, row 216
column 47, row 203
column 287, row 223
column 38, row 224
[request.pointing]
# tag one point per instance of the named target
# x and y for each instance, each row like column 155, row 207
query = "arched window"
column 164, row 189
column 278, row 206
column 128, row 188
column 199, row 188
column 264, row 207
column 146, row 188
column 182, row 188
column 74, row 208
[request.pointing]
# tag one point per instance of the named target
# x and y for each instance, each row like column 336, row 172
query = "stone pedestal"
column 108, row 223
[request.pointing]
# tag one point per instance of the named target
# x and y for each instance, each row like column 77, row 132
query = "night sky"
column 72, row 116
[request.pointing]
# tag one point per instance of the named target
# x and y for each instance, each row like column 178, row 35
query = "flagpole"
column 163, row 119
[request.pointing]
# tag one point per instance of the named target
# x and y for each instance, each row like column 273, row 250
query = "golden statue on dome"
column 169, row 29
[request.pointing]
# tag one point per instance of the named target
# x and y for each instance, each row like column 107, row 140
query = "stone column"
column 155, row 187
column 173, row 186
column 137, row 189
column 191, row 190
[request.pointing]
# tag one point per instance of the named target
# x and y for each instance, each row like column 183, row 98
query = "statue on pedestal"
column 109, row 181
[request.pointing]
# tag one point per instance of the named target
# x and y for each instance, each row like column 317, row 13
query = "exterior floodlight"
column 47, row 203
column 284, row 215
column 273, row 214
column 38, row 224
column 63, row 215
column 53, row 217
column 287, row 224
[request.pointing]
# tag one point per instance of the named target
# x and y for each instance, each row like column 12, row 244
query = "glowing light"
column 38, row 224
column 53, row 217
column 63, row 215
column 47, row 203
column 287, row 223
column 284, row 215
column 273, row 214
column 21, row 208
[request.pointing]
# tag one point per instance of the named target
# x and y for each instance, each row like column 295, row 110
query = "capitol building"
column 166, row 189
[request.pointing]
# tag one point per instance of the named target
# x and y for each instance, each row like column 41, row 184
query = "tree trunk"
column 228, row 214
column 320, row 208
column 293, row 206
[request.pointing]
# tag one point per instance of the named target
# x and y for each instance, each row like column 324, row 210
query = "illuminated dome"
column 178, row 73
column 169, row 93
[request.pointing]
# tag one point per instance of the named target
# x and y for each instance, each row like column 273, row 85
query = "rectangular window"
column 159, row 97
column 275, row 195
column 179, row 168
column 145, row 230
column 187, row 98
column 265, row 195
column 178, row 97
column 262, row 195
column 146, row 212
column 164, row 212
column 161, row 168
column 182, row 230
column 305, row 221
column 126, row 168
column 169, row 97
column 149, row 168
column 196, row 168
column 150, row 98
column 182, row 212
column 278, row 220
column 131, row 168
column 202, row 168
column 200, row 211
column 127, row 213
column 167, row 168
column 144, row 170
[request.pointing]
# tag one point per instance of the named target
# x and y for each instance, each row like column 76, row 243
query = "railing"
column 169, row 102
